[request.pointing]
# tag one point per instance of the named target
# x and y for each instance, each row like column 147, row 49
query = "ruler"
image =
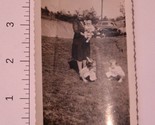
column 17, row 88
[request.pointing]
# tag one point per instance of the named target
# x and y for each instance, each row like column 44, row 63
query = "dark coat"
column 80, row 49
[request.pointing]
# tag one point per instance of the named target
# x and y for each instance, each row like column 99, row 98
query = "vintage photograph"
column 85, row 62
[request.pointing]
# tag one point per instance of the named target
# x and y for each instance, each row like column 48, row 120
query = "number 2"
column 9, row 60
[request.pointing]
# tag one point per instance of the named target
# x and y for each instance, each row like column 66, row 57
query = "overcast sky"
column 110, row 7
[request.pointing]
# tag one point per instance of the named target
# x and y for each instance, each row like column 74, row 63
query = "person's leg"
column 88, row 39
column 84, row 63
column 79, row 63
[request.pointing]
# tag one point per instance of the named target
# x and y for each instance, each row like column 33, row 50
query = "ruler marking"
column 26, row 33
column 25, row 79
column 25, row 42
column 26, row 51
column 26, row 7
column 25, row 117
column 24, row 61
column 26, row 15
column 27, row 47
column 26, row 108
column 26, row 88
column 24, row 98
column 24, row 24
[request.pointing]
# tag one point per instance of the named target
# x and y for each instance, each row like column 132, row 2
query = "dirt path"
column 70, row 101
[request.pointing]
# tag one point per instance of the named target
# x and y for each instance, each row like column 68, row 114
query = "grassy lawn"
column 69, row 101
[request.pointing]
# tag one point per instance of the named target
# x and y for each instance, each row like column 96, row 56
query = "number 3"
column 10, row 24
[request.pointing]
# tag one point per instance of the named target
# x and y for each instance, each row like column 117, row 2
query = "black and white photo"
column 86, row 62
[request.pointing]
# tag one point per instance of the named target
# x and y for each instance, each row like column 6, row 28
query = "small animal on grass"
column 115, row 72
column 88, row 73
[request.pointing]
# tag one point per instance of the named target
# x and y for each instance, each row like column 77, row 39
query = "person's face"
column 113, row 64
column 89, row 22
column 80, row 17
column 85, row 22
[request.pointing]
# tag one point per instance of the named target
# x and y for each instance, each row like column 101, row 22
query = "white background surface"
column 145, row 45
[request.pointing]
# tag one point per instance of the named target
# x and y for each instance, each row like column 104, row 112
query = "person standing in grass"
column 80, row 48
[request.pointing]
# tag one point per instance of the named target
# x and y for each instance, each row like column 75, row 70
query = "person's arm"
column 92, row 28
